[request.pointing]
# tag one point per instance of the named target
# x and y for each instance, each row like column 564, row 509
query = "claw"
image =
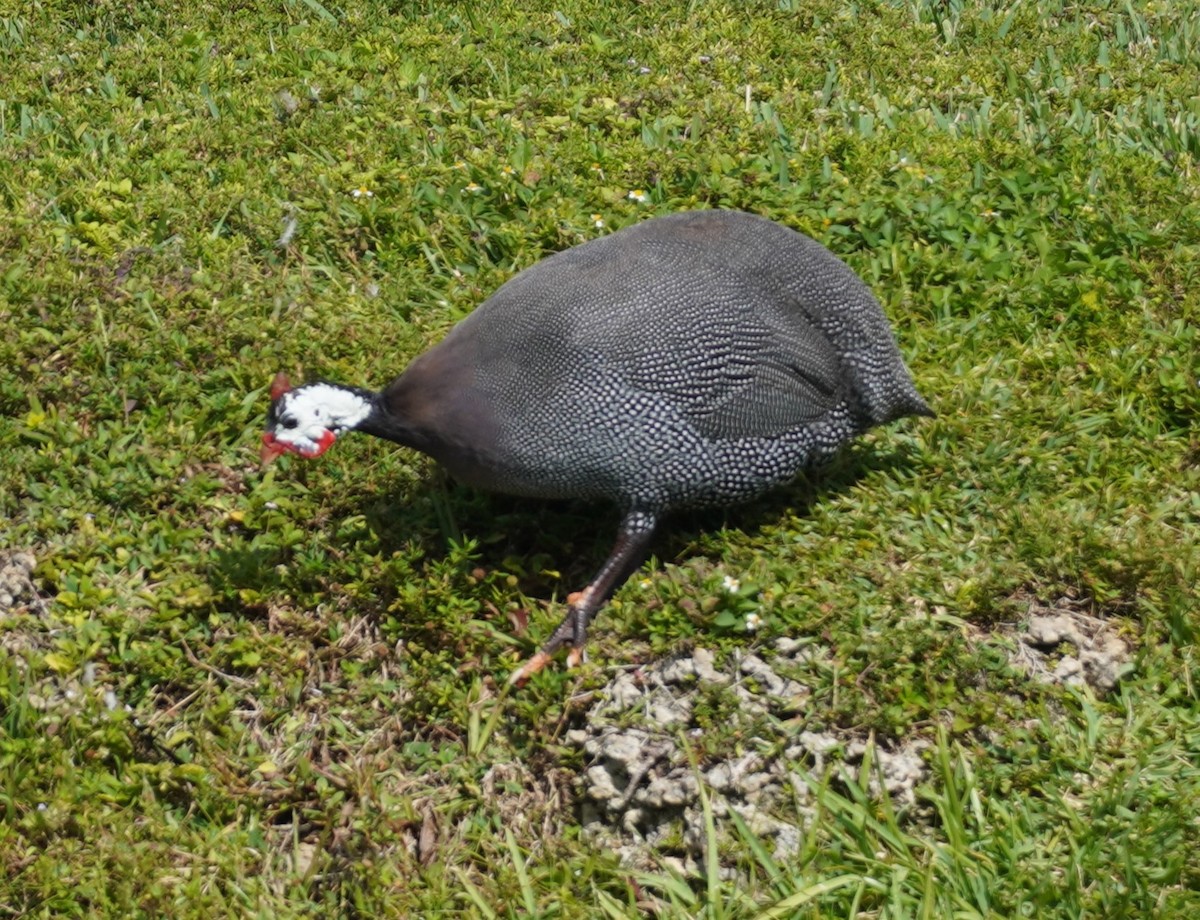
column 521, row 675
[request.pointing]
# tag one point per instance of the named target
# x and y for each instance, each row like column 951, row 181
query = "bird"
column 694, row 359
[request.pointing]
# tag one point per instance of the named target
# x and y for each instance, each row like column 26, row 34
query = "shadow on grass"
column 530, row 537
column 551, row 547
column 255, row 569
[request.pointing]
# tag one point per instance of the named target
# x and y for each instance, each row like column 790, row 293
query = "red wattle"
column 270, row 449
column 323, row 444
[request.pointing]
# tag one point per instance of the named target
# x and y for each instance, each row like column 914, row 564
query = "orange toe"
column 521, row 675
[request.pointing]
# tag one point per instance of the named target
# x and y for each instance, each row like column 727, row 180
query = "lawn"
column 235, row 691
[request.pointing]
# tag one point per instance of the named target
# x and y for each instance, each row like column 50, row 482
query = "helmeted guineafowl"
column 694, row 359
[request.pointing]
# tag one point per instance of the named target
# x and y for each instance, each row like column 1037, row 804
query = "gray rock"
column 730, row 774
column 816, row 743
column 601, row 785
column 1099, row 659
column 640, row 793
column 703, row 663
column 624, row 692
column 666, row 711
column 902, row 771
column 15, row 585
column 1104, row 662
column 669, row 791
column 1051, row 630
column 755, row 667
column 630, row 821
column 678, row 671
column 621, row 749
column 1068, row 671
column 786, row 645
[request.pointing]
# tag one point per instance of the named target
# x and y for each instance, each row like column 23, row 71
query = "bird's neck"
column 381, row 422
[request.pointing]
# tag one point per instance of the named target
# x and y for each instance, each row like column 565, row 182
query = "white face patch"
column 310, row 416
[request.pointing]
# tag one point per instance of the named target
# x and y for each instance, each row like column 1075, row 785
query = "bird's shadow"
column 557, row 546
column 551, row 547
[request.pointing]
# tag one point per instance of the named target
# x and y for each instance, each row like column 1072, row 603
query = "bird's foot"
column 521, row 675
column 572, row 631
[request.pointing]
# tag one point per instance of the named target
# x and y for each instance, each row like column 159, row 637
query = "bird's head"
column 307, row 419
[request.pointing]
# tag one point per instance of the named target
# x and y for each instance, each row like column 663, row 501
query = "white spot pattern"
column 694, row 359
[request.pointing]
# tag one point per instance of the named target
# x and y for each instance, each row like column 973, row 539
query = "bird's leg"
column 632, row 539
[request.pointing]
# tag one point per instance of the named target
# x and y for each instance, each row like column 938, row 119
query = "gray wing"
column 735, row 360
column 786, row 387
column 673, row 324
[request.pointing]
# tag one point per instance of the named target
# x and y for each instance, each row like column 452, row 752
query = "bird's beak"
column 270, row 448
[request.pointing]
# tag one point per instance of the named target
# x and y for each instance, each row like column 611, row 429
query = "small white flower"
column 362, row 192
column 597, row 221
column 637, row 195
column 989, row 213
column 507, row 170
column 731, row 585
column 753, row 622
column 41, row 806
column 645, row 584
column 473, row 187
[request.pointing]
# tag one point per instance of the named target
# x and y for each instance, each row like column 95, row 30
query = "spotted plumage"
column 694, row 359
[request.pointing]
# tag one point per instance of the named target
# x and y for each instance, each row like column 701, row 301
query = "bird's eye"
column 288, row 422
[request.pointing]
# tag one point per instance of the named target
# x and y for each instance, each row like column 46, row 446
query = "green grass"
column 277, row 693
